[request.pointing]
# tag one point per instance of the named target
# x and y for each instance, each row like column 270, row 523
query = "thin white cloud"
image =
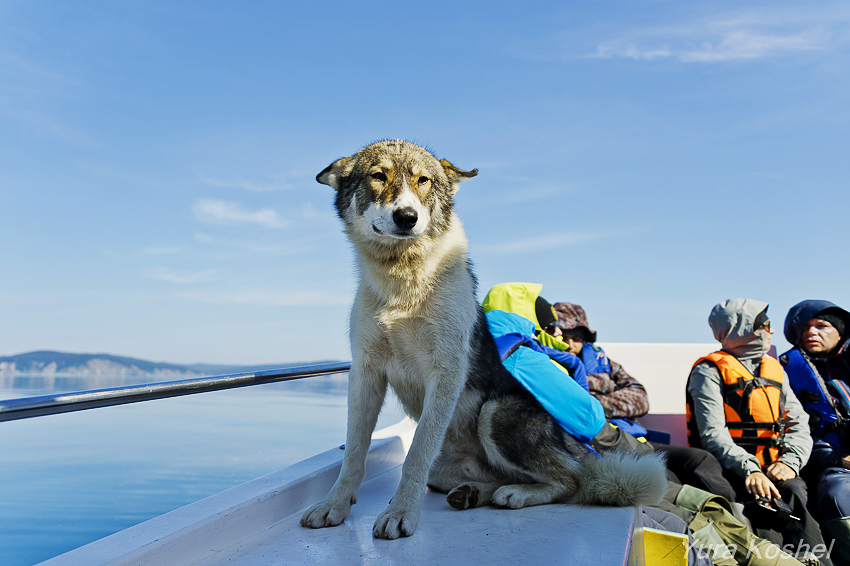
column 180, row 276
column 538, row 243
column 226, row 212
column 27, row 85
column 42, row 124
column 527, row 192
column 751, row 44
column 156, row 251
column 231, row 248
column 269, row 298
column 245, row 184
column 739, row 37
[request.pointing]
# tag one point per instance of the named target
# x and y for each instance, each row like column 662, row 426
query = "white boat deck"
column 540, row 535
column 256, row 524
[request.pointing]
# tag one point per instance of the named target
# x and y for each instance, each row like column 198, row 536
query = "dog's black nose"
column 405, row 218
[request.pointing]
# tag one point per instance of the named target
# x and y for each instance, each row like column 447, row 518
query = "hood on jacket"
column 733, row 324
column 502, row 323
column 521, row 298
column 804, row 311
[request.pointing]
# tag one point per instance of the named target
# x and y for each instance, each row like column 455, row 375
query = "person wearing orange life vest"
column 740, row 407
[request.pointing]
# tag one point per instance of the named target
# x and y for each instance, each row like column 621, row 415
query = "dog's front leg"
column 365, row 397
column 402, row 516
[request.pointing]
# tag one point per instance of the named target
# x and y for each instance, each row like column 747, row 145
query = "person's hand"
column 758, row 484
column 778, row 471
column 846, row 462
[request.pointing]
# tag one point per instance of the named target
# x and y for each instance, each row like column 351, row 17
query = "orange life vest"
column 754, row 406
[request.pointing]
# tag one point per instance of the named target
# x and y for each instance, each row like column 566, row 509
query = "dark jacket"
column 809, row 374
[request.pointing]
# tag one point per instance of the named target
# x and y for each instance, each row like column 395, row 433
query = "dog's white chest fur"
column 412, row 347
column 407, row 367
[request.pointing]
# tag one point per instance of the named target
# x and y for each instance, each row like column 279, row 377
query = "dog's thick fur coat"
column 416, row 326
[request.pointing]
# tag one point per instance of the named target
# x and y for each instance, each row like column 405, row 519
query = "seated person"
column 740, row 407
column 621, row 394
column 624, row 399
column 517, row 317
column 818, row 368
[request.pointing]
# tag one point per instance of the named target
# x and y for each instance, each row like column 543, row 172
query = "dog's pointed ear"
column 332, row 174
column 456, row 175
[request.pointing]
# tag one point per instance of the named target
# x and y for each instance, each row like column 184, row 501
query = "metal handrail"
column 27, row 407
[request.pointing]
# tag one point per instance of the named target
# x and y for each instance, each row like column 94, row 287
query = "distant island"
column 52, row 363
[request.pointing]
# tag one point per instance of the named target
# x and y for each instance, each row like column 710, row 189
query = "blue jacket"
column 825, row 418
column 596, row 361
column 565, row 398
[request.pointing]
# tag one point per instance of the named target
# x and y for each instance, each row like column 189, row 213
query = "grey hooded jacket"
column 732, row 324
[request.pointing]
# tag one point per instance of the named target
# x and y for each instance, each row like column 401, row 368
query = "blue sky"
column 643, row 159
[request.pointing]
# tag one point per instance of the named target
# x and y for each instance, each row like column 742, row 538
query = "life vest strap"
column 755, row 441
column 773, row 427
column 742, row 384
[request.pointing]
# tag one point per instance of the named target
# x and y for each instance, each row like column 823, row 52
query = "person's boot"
column 839, row 531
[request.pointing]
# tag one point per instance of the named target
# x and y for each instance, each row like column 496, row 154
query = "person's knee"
column 833, row 494
column 706, row 461
column 792, row 489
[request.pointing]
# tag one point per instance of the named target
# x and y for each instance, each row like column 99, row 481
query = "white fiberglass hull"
column 257, row 524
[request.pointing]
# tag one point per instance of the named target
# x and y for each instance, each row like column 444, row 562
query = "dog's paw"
column 328, row 513
column 396, row 522
column 522, row 495
column 464, row 496
column 512, row 497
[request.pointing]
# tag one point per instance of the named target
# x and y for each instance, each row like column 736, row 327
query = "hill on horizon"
column 48, row 362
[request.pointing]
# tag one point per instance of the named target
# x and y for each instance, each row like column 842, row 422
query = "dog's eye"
column 379, row 176
column 422, row 180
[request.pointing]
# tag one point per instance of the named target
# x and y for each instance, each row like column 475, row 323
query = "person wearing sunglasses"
column 740, row 407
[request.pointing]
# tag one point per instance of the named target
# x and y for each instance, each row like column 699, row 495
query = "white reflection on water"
column 66, row 480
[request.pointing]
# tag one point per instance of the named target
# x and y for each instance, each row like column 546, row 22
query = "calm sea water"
column 67, row 480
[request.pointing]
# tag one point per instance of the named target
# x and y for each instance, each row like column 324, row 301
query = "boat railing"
column 28, row 407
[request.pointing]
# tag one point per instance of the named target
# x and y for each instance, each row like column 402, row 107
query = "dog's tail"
column 621, row 479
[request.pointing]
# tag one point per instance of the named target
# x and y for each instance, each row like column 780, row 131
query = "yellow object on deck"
column 662, row 548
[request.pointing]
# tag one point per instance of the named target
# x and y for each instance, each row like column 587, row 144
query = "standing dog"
column 416, row 325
